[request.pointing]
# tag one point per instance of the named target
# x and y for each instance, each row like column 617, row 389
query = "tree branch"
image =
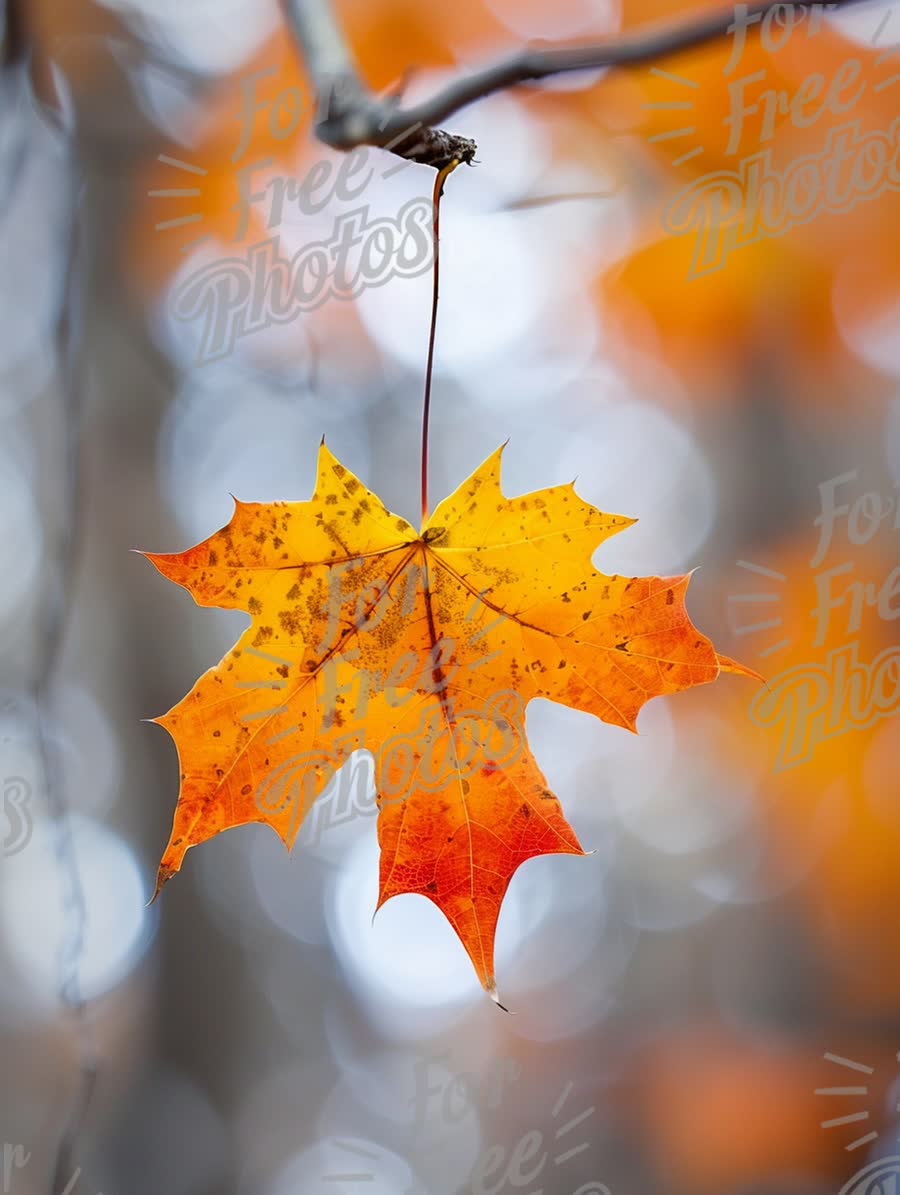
column 348, row 114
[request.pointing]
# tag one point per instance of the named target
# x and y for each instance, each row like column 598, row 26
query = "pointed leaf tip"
column 324, row 458
column 726, row 664
column 162, row 878
column 491, row 990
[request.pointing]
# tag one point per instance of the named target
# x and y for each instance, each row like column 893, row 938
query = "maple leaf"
column 423, row 648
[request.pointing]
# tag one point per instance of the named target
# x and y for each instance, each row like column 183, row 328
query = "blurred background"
column 709, row 1003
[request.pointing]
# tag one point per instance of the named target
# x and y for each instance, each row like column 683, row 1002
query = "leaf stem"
column 429, row 367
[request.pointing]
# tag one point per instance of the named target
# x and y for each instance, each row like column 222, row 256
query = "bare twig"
column 55, row 620
column 350, row 115
column 347, row 113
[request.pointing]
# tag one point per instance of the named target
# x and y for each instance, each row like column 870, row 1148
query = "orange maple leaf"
column 423, row 648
